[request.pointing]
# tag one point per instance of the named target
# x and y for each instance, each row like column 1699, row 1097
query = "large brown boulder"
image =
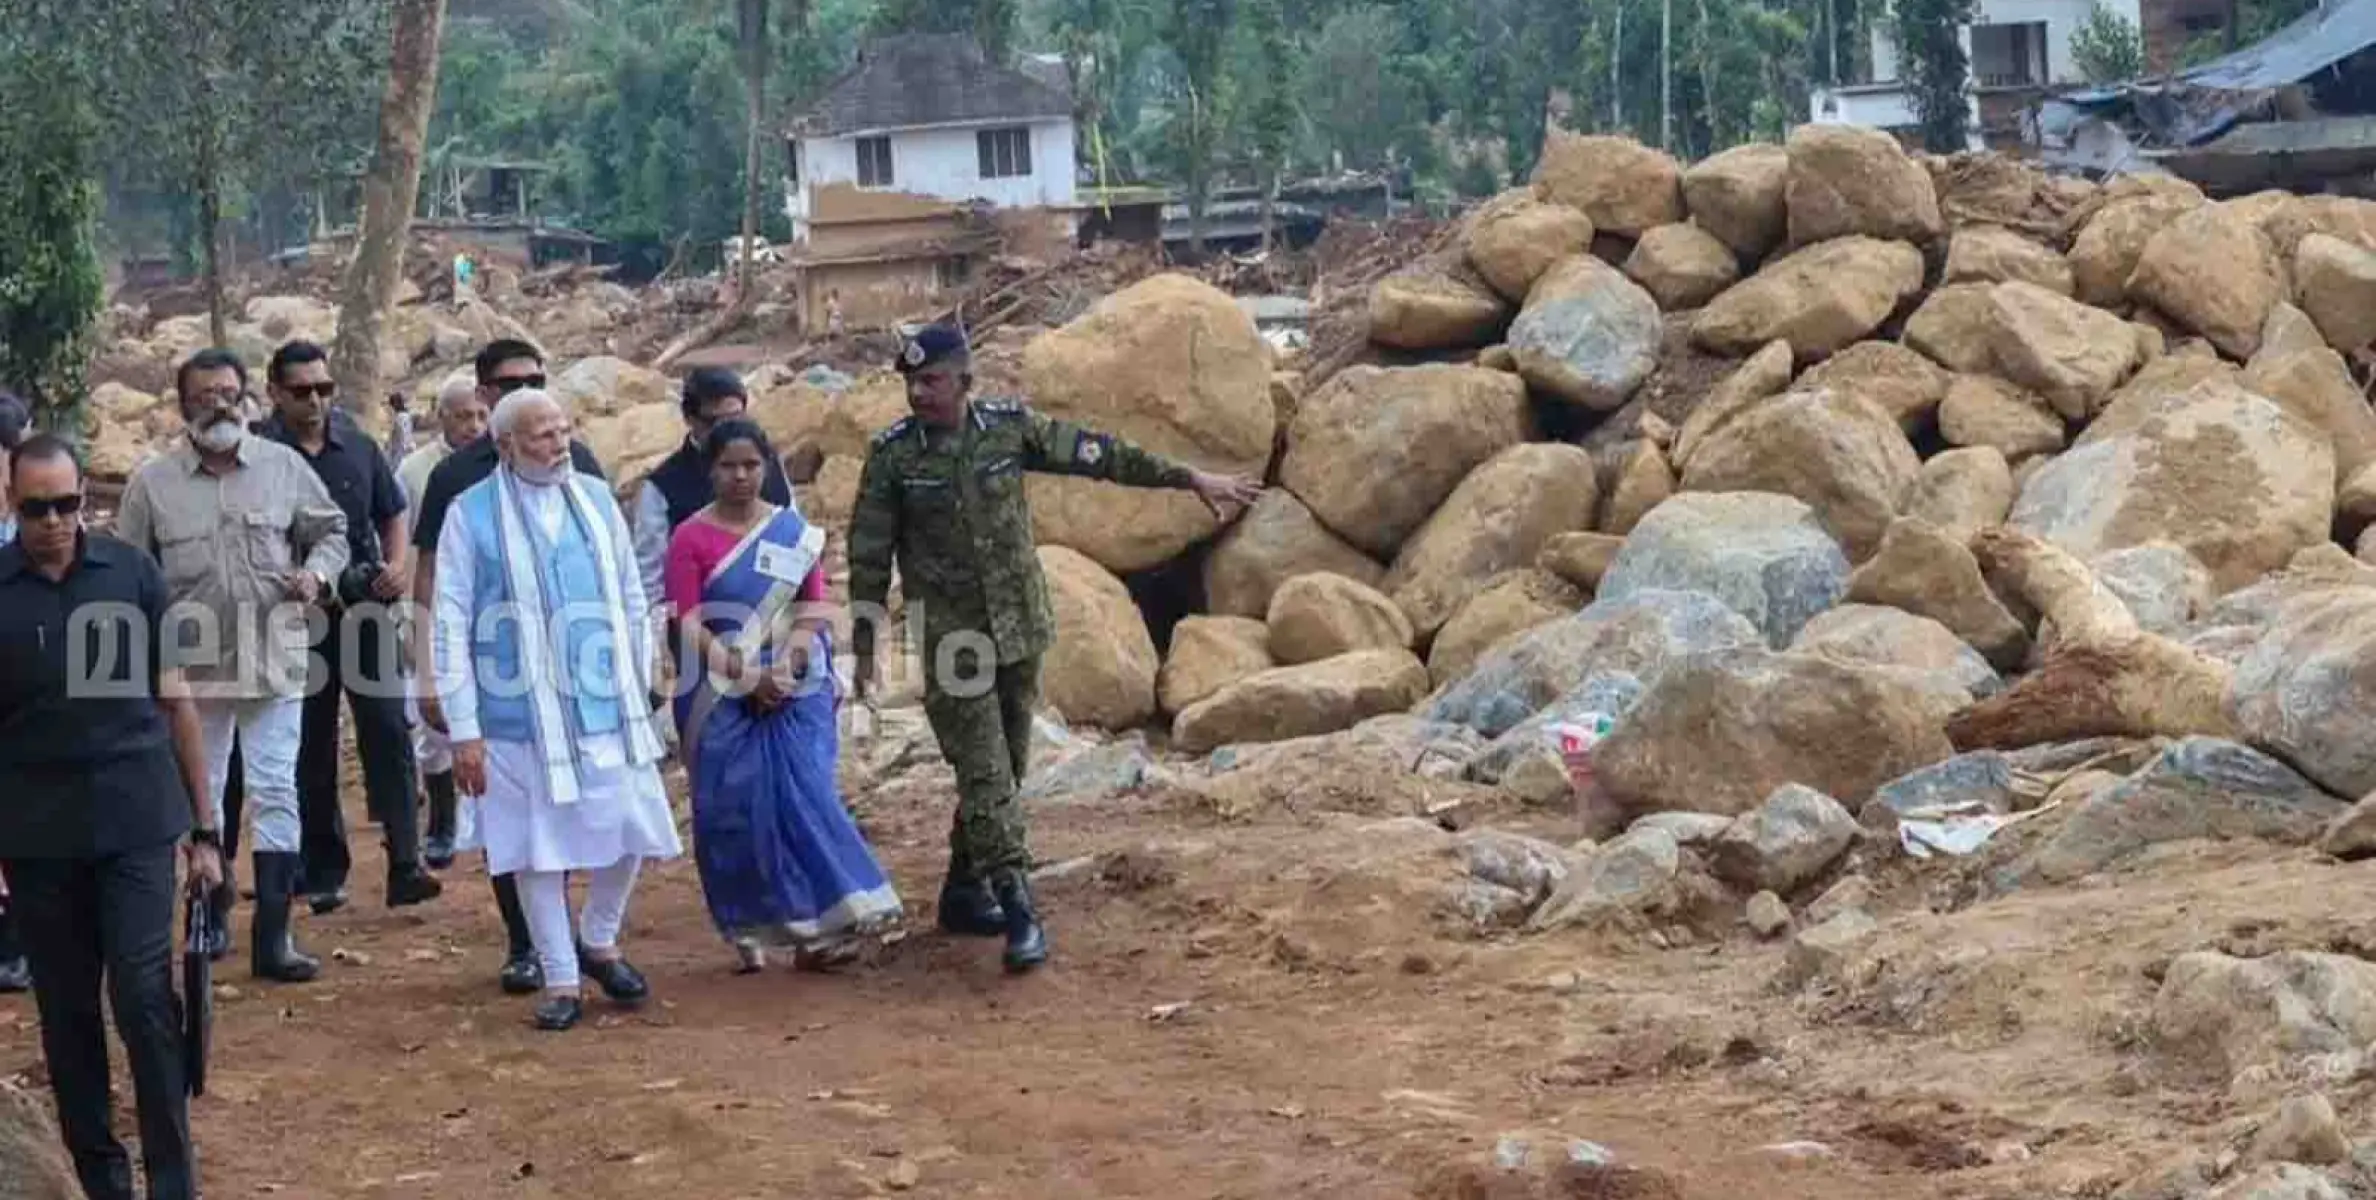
column 1821, row 300
column 633, row 442
column 1102, row 668
column 1719, row 732
column 1302, row 701
column 2316, row 386
column 852, row 419
column 1319, row 616
column 1981, row 410
column 1625, row 187
column 1764, row 374
column 1928, row 572
column 1587, row 335
column 1841, row 455
column 1993, row 254
column 832, row 497
column 1511, row 604
column 1497, row 519
column 1957, row 328
column 1902, row 382
column 2348, row 219
column 2065, row 351
column 1516, row 237
column 2289, row 330
column 1377, row 450
column 1176, row 367
column 1847, row 181
column 1962, row 491
column 1738, row 197
column 603, row 386
column 2106, row 251
column 1682, row 266
column 1276, row 540
column 1428, row 308
column 2226, row 474
column 2214, row 273
column 1208, row 654
column 2337, row 283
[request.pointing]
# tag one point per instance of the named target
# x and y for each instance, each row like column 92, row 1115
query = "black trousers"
column 364, row 660
column 109, row 921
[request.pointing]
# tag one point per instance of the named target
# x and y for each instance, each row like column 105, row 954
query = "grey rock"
column 1588, row 335
column 1783, row 843
column 1637, row 635
column 1627, row 875
column 1689, row 829
column 2188, row 1180
column 2165, row 587
column 2305, row 693
column 2305, row 1130
column 2281, row 1181
column 1514, row 861
column 1096, row 773
column 2232, row 1015
column 1768, row 917
column 1483, row 905
column 1982, row 777
column 1766, row 556
column 1851, row 894
column 2197, row 788
column 1823, row 952
column 2116, row 754
column 1879, row 636
column 1437, row 749
column 1611, row 692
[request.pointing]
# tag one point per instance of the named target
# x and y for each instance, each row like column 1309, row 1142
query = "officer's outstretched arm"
column 1063, row 448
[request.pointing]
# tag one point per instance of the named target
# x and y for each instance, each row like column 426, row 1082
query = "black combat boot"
column 272, row 947
column 218, row 912
column 1026, row 942
column 523, row 971
column 967, row 908
column 437, row 850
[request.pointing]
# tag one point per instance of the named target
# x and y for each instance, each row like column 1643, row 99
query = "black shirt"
column 463, row 469
column 355, row 470
column 83, row 744
column 684, row 484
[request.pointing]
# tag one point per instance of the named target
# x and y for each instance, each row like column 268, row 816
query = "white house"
column 2016, row 49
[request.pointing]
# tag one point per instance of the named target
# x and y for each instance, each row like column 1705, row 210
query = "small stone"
column 1511, row 1152
column 2305, row 1130
column 904, row 1176
column 1590, row 1154
column 1852, row 894
column 1768, row 916
column 1798, row 1151
column 1821, row 951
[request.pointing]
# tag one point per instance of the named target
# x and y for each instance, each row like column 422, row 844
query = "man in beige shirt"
column 249, row 539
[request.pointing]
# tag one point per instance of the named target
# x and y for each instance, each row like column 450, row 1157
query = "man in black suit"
column 100, row 740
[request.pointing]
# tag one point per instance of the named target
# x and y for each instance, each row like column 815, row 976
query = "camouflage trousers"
column 986, row 738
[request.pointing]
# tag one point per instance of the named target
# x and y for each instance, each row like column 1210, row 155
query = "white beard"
column 540, row 476
column 218, row 437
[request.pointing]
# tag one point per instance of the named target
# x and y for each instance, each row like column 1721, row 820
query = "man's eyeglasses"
column 512, row 383
column 319, row 391
column 35, row 508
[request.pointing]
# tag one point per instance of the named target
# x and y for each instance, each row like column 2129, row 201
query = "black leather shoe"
column 522, row 974
column 413, row 887
column 272, row 948
column 559, row 1013
column 16, row 975
column 617, row 978
column 967, row 909
column 325, row 903
column 437, row 853
column 1026, row 942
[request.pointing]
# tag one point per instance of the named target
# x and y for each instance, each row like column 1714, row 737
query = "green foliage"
column 50, row 284
column 992, row 22
column 1935, row 69
column 2255, row 20
column 2107, row 47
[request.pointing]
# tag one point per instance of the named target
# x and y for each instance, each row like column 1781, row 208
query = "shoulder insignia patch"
column 1091, row 450
column 897, row 427
column 1000, row 407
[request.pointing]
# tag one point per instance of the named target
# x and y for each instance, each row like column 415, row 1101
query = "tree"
column 1272, row 113
column 50, row 285
column 1198, row 33
column 390, row 190
column 992, row 22
column 255, row 86
column 1937, row 73
column 2107, row 47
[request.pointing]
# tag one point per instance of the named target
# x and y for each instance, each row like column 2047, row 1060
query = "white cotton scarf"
column 524, row 586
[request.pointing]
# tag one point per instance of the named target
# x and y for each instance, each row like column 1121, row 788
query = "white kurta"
column 622, row 809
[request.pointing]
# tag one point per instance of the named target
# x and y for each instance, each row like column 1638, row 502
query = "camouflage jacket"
column 950, row 509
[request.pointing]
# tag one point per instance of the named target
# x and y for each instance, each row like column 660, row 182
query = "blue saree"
column 782, row 862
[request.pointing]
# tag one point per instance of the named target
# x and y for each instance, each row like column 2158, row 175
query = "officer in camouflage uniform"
column 942, row 493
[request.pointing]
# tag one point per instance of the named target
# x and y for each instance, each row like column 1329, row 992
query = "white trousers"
column 268, row 732
column 545, row 894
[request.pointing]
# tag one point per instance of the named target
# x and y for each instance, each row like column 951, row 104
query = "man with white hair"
column 544, row 656
column 461, row 417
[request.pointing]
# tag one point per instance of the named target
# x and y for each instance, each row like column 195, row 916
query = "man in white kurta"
column 542, row 649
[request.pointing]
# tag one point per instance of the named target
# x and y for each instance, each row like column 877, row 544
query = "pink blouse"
column 696, row 549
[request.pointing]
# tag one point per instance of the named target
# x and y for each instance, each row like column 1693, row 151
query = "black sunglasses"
column 506, row 386
column 34, row 508
column 320, row 391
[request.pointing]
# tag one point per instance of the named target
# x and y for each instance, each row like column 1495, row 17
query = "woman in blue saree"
column 782, row 862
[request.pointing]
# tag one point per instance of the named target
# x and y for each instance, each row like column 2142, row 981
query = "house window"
column 949, row 274
column 792, row 163
column 874, row 162
column 1006, row 153
column 2011, row 55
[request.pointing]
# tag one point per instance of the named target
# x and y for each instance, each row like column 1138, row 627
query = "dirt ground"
column 1246, row 1008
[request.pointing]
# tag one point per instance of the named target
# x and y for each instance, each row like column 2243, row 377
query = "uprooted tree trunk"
column 389, row 192
column 2102, row 676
